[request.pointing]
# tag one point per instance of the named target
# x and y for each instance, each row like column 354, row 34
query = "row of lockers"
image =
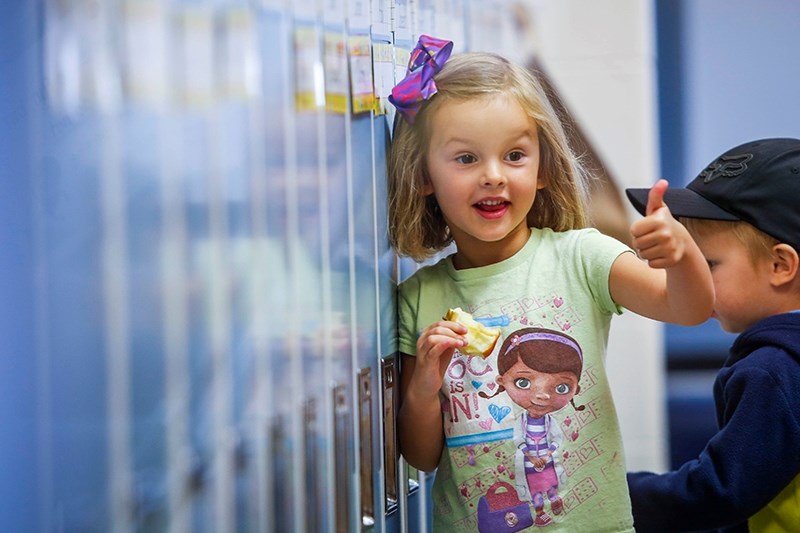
column 212, row 291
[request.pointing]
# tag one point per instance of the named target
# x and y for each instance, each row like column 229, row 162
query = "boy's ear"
column 785, row 264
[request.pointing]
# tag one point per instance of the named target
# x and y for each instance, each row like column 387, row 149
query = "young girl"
column 479, row 158
column 539, row 369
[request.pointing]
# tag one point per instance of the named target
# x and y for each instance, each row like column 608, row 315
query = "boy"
column 744, row 212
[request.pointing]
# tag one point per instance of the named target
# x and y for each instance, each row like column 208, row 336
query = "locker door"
column 199, row 280
column 77, row 257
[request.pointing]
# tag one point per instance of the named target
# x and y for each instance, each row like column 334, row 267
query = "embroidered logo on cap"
column 726, row 167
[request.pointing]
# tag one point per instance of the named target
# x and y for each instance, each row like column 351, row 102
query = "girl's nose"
column 493, row 175
column 542, row 395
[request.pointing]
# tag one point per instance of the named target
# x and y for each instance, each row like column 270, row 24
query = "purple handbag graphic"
column 500, row 510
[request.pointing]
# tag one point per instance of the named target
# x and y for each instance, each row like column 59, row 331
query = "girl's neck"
column 476, row 254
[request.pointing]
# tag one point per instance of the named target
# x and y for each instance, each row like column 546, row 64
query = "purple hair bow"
column 427, row 59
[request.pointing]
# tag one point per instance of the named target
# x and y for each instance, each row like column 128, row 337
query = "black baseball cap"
column 757, row 182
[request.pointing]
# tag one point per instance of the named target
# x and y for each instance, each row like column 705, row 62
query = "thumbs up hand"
column 658, row 237
column 655, row 198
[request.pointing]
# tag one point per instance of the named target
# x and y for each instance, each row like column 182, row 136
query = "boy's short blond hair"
column 758, row 244
column 416, row 226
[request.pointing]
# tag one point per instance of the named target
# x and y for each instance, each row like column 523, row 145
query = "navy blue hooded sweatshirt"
column 756, row 451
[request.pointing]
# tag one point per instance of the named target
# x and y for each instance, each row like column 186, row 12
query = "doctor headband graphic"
column 516, row 340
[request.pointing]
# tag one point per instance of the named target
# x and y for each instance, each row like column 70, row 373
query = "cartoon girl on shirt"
column 539, row 369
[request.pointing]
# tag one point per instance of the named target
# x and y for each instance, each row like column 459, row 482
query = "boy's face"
column 742, row 286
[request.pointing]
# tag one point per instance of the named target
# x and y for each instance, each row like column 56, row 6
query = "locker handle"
column 365, row 433
column 391, row 451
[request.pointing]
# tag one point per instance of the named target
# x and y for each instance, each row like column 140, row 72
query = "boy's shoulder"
column 773, row 336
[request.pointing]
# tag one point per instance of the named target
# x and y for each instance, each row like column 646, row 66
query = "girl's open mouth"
column 492, row 208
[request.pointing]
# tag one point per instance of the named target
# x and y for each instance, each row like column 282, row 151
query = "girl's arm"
column 420, row 423
column 674, row 284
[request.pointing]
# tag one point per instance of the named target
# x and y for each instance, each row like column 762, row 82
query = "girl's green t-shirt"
column 555, row 288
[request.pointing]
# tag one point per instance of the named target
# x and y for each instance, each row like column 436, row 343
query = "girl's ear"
column 785, row 263
column 541, row 180
column 427, row 185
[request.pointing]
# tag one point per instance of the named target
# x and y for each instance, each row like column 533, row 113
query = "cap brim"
column 681, row 203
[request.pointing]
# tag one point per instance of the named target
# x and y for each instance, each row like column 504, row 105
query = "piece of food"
column 481, row 339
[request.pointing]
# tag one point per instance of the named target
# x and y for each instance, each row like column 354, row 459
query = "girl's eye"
column 465, row 159
column 711, row 264
column 522, row 383
column 562, row 388
column 515, row 156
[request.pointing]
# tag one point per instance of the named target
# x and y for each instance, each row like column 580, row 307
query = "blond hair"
column 416, row 226
column 757, row 243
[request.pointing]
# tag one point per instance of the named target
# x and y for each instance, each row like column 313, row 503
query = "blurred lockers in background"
column 200, row 292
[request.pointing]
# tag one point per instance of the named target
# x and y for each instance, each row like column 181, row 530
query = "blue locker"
column 198, row 292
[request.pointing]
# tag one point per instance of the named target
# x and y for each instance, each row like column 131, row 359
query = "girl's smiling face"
column 483, row 166
column 538, row 393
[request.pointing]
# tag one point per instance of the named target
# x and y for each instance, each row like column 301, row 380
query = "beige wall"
column 600, row 54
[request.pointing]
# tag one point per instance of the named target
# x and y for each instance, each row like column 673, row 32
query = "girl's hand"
column 677, row 285
column 421, row 379
column 539, row 463
column 435, row 347
column 658, row 237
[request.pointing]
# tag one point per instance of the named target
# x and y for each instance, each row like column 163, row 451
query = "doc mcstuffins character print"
column 539, row 369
